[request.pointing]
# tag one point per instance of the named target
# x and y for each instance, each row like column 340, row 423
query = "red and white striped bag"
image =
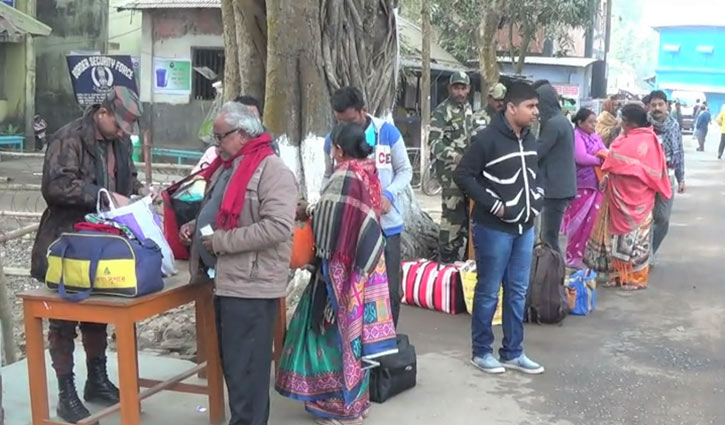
column 433, row 286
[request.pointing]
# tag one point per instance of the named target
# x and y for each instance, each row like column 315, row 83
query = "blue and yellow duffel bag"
column 89, row 262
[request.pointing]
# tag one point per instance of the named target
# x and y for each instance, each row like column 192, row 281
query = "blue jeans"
column 500, row 258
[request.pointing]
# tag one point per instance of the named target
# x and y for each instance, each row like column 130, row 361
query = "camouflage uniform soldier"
column 494, row 105
column 450, row 135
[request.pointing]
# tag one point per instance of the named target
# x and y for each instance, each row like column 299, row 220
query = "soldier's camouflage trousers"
column 61, row 336
column 454, row 222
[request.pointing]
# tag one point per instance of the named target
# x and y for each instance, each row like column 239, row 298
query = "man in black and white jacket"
column 499, row 172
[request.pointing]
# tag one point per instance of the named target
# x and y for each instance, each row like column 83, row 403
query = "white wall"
column 173, row 48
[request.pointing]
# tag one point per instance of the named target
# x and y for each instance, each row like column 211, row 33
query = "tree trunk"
column 491, row 17
column 425, row 88
column 360, row 48
column 313, row 48
column 232, row 81
column 512, row 48
column 526, row 37
column 245, row 47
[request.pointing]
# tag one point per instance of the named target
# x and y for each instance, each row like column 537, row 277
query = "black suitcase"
column 396, row 373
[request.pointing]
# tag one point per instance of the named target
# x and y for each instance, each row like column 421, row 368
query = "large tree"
column 295, row 54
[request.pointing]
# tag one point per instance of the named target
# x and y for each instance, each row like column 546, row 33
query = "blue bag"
column 584, row 282
column 90, row 262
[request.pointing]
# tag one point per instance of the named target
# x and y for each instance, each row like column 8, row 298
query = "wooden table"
column 124, row 313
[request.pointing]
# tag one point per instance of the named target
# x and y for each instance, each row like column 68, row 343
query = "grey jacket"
column 253, row 259
column 555, row 147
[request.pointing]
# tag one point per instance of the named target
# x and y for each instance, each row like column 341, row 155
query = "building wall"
column 690, row 69
column 124, row 30
column 78, row 25
column 12, row 76
column 581, row 77
column 174, row 33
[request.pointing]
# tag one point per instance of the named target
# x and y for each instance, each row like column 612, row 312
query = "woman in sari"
column 607, row 126
column 343, row 321
column 635, row 171
column 589, row 153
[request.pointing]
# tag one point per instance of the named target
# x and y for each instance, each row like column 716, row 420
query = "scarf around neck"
column 253, row 153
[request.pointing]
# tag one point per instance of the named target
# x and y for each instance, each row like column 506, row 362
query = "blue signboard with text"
column 10, row 3
column 93, row 76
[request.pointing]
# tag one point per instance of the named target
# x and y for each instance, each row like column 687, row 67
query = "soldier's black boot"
column 70, row 408
column 99, row 389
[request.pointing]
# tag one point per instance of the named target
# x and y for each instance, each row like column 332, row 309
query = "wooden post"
column 425, row 88
column 147, row 156
column 30, row 9
column 6, row 317
column 19, row 232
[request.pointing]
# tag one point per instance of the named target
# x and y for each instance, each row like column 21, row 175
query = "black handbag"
column 396, row 373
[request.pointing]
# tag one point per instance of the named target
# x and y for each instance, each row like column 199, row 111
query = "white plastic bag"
column 140, row 217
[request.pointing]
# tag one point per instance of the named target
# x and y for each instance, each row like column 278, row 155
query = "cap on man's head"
column 126, row 107
column 460, row 77
column 497, row 92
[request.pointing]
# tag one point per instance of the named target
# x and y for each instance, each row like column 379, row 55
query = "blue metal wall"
column 702, row 71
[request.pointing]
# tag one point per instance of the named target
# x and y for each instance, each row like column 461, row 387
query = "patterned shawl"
column 346, row 220
column 637, row 171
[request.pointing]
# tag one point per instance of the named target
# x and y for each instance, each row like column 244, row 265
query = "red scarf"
column 638, row 170
column 253, row 153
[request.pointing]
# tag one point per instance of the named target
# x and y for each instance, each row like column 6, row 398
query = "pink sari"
column 578, row 224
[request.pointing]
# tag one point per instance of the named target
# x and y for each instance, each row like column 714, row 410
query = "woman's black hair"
column 635, row 115
column 582, row 115
column 351, row 139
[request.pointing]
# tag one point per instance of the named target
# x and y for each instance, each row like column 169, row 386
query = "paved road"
column 653, row 357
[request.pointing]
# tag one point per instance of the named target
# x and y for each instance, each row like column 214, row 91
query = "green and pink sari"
column 343, row 322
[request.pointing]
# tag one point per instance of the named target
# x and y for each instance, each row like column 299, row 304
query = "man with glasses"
column 242, row 240
column 89, row 154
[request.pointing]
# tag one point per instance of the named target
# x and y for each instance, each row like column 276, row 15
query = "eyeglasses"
column 219, row 137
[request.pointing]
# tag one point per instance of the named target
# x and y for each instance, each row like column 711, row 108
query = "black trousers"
column 246, row 329
column 721, row 149
column 551, row 217
column 395, row 271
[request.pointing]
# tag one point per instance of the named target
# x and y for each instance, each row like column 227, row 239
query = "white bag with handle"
column 140, row 217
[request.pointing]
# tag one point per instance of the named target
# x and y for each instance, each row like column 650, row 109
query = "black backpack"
column 546, row 300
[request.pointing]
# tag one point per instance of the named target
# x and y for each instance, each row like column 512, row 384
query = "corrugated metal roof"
column 15, row 23
column 411, row 37
column 544, row 60
column 171, row 4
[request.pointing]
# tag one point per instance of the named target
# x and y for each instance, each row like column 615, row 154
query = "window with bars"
column 213, row 59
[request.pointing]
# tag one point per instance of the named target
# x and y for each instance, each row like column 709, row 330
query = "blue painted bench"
column 18, row 141
column 179, row 154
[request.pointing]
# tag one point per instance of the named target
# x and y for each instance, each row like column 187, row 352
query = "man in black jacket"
column 556, row 164
column 499, row 173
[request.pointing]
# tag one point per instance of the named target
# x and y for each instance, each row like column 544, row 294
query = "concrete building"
column 176, row 37
column 80, row 25
column 572, row 77
column 17, row 64
column 692, row 58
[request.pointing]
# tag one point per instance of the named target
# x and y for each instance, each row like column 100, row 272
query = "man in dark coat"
column 556, row 164
column 86, row 155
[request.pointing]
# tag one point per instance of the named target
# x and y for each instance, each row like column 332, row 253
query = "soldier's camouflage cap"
column 126, row 107
column 497, row 92
column 460, row 77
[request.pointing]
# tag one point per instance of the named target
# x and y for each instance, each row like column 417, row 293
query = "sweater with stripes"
column 499, row 172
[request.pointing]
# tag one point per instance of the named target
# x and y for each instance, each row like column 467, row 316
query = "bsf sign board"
column 93, row 76
column 172, row 76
